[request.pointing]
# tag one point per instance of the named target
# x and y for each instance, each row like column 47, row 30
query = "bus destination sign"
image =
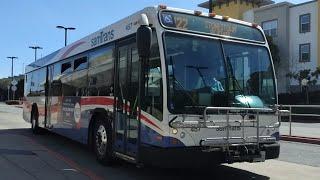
column 187, row 22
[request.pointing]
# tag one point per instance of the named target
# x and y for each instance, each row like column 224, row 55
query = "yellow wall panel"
column 234, row 10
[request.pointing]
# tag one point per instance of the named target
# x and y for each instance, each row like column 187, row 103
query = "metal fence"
column 291, row 114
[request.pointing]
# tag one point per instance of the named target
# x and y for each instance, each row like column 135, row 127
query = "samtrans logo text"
column 102, row 37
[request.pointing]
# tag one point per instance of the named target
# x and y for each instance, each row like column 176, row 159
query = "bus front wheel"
column 102, row 141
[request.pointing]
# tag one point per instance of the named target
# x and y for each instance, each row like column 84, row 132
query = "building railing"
column 291, row 114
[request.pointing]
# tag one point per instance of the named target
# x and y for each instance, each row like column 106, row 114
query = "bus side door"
column 49, row 90
column 127, row 93
column 53, row 95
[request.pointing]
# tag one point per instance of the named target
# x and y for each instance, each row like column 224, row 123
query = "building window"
column 304, row 51
column 270, row 28
column 305, row 23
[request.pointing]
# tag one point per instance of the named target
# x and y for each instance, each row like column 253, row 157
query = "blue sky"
column 26, row 23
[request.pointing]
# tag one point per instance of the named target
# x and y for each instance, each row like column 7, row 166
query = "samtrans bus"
column 164, row 86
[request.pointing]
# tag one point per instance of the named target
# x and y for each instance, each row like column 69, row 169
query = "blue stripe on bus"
column 151, row 137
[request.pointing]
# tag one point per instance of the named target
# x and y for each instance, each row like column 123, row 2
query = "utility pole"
column 65, row 32
column 35, row 51
column 12, row 58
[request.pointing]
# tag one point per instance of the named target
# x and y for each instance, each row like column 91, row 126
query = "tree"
column 5, row 82
column 274, row 50
column 311, row 76
column 305, row 78
column 20, row 88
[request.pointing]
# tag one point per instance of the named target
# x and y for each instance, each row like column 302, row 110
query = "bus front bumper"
column 194, row 157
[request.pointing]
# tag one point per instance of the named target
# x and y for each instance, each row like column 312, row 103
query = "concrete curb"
column 301, row 139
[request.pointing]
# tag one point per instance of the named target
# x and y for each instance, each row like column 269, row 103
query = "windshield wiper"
column 197, row 68
column 235, row 83
column 183, row 90
column 194, row 104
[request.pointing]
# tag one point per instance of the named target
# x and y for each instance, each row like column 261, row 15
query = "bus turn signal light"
column 255, row 25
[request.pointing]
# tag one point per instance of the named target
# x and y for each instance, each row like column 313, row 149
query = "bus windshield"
column 206, row 72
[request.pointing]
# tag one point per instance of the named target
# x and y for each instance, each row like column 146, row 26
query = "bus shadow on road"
column 218, row 172
column 85, row 159
column 15, row 152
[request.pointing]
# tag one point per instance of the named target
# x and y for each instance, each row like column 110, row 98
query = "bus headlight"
column 174, row 131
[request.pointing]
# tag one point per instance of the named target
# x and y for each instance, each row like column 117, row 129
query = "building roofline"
column 270, row 6
column 304, row 3
column 216, row 2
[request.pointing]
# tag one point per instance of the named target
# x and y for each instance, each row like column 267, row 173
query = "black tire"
column 35, row 123
column 102, row 141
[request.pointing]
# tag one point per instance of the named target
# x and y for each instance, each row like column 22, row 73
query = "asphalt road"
column 49, row 156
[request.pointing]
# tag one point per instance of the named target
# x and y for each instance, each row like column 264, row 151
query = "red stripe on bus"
column 110, row 101
column 144, row 118
column 97, row 101
column 65, row 54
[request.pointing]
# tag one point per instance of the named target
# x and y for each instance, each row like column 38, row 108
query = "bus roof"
column 110, row 33
column 103, row 36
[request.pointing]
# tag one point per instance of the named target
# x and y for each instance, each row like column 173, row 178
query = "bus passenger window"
column 100, row 73
column 66, row 67
column 80, row 63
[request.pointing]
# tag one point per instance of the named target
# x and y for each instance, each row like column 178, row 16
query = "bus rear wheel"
column 102, row 142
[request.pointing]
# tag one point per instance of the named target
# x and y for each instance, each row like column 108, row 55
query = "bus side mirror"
column 144, row 37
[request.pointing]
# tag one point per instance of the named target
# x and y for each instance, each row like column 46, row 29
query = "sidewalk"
column 301, row 129
column 301, row 132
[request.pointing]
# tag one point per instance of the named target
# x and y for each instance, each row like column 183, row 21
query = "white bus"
column 164, row 86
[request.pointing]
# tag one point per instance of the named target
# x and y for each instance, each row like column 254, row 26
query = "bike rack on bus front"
column 255, row 112
column 227, row 111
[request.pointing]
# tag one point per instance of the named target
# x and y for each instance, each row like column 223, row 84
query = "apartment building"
column 293, row 27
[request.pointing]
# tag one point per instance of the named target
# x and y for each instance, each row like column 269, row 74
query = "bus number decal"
column 231, row 128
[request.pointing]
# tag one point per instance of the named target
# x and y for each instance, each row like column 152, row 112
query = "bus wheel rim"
column 101, row 140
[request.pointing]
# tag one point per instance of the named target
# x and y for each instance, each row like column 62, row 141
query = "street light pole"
column 65, row 32
column 65, row 36
column 12, row 58
column 35, row 51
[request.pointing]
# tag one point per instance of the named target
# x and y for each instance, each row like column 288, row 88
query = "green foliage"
column 274, row 50
column 311, row 76
column 4, row 82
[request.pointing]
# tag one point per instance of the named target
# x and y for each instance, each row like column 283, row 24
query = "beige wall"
column 279, row 12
